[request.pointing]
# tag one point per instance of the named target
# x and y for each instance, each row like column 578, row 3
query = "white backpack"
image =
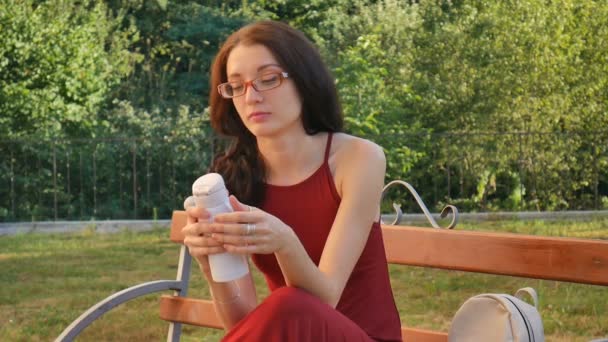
column 498, row 317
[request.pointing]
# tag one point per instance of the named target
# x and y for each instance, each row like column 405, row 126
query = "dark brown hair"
column 240, row 165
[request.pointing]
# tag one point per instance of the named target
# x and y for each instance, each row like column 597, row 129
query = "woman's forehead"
column 249, row 59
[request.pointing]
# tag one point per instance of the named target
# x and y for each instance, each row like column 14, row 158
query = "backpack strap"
column 531, row 292
column 529, row 329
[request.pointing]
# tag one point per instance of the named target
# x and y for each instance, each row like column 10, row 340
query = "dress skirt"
column 292, row 314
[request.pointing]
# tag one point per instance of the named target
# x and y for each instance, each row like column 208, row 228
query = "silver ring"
column 250, row 208
column 249, row 228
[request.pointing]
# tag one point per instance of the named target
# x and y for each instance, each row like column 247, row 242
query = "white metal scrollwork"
column 444, row 212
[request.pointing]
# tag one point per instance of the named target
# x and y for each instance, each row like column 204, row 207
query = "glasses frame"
column 282, row 76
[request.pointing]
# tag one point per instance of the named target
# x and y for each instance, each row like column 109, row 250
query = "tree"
column 58, row 64
column 178, row 44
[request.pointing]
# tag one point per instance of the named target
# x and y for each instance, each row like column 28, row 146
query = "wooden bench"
column 553, row 258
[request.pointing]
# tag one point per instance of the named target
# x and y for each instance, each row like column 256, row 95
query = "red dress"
column 366, row 310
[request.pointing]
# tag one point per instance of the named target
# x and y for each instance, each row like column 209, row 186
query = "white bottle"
column 210, row 193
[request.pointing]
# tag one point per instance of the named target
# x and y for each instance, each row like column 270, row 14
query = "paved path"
column 73, row 226
column 139, row 225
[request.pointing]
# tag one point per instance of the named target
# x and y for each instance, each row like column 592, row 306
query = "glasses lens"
column 229, row 90
column 226, row 90
column 267, row 82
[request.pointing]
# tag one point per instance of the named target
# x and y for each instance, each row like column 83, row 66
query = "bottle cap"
column 210, row 190
column 208, row 184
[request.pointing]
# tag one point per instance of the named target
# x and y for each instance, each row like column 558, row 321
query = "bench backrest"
column 552, row 258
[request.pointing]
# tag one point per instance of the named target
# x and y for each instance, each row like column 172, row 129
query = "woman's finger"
column 200, row 241
column 239, row 216
column 191, row 229
column 197, row 229
column 242, row 249
column 198, row 213
column 235, row 228
column 240, row 240
column 237, row 205
column 204, row 251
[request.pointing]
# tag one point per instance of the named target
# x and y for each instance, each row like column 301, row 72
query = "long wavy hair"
column 241, row 165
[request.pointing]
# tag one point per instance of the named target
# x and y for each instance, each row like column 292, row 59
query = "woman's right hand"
column 197, row 237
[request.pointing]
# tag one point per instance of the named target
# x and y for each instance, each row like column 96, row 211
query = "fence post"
column 173, row 194
column 13, row 184
column 448, row 154
column 69, row 190
column 521, row 175
column 160, row 174
column 134, row 168
column 39, row 195
column 596, row 171
column 55, row 181
column 120, row 170
column 95, row 182
column 148, row 178
column 81, row 196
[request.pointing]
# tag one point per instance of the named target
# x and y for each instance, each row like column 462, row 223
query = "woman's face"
column 269, row 112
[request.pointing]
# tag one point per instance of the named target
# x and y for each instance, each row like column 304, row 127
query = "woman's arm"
column 232, row 300
column 359, row 174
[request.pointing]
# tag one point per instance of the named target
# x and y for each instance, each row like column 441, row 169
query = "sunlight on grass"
column 48, row 280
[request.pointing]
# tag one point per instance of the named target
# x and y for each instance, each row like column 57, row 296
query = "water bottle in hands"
column 209, row 192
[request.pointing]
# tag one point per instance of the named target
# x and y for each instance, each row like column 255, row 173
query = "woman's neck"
column 291, row 158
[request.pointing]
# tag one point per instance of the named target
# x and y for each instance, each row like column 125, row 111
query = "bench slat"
column 179, row 219
column 556, row 258
column 553, row 258
column 192, row 311
column 421, row 335
column 202, row 313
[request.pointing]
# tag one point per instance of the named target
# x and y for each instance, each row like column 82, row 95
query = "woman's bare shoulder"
column 348, row 147
column 356, row 162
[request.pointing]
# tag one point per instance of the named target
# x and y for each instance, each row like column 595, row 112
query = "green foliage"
column 473, row 68
column 373, row 75
column 178, row 44
column 491, row 105
column 58, row 65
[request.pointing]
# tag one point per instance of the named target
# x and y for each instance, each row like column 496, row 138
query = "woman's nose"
column 252, row 95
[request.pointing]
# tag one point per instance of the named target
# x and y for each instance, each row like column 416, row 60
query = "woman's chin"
column 261, row 131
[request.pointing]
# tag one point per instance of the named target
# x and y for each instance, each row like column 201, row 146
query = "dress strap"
column 328, row 147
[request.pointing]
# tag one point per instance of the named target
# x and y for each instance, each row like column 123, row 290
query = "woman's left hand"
column 249, row 230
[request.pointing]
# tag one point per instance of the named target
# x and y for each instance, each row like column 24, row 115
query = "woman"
column 312, row 194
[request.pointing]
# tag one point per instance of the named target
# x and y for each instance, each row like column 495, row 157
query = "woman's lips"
column 258, row 116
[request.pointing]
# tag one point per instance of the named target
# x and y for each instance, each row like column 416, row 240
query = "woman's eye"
column 269, row 79
column 236, row 88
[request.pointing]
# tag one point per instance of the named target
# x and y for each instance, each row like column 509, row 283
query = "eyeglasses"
column 265, row 82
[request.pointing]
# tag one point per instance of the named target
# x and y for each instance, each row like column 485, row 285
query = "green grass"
column 47, row 280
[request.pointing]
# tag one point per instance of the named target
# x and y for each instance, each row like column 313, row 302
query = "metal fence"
column 98, row 178
column 518, row 171
column 144, row 178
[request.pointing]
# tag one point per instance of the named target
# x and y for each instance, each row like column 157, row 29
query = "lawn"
column 47, row 280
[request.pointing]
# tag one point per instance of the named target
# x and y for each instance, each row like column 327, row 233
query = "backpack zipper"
column 528, row 326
